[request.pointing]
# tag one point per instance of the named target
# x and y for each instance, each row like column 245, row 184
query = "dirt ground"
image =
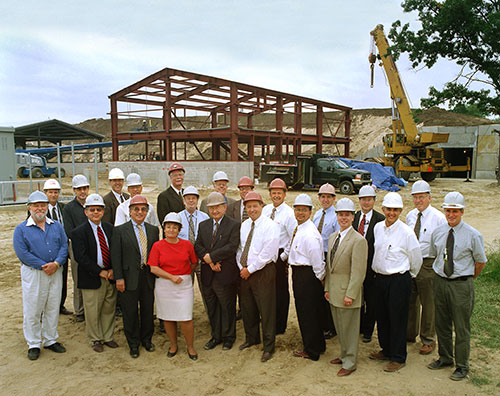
column 218, row 372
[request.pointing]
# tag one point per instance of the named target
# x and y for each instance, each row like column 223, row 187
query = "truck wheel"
column 346, row 187
column 428, row 176
column 405, row 162
column 37, row 173
column 20, row 172
column 63, row 172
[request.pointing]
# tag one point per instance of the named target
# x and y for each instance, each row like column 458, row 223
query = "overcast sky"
column 62, row 59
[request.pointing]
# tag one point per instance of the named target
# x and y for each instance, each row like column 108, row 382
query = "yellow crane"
column 406, row 148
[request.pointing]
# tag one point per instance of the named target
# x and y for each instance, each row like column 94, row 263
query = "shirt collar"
column 177, row 191
column 392, row 226
column 426, row 211
column 31, row 222
column 343, row 233
column 457, row 227
column 219, row 221
column 93, row 225
column 118, row 196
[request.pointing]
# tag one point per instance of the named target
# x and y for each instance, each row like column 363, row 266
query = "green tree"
column 464, row 31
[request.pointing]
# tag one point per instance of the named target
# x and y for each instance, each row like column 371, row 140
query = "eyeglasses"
column 92, row 210
column 139, row 209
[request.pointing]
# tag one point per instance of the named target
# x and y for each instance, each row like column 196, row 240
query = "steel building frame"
column 230, row 108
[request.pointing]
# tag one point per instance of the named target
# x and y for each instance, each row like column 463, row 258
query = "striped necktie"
column 104, row 248
column 273, row 213
column 144, row 243
column 246, row 249
column 418, row 225
column 321, row 222
column 191, row 236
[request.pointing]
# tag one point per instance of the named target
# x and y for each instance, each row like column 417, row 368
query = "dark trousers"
column 220, row 302
column 282, row 294
column 369, row 307
column 393, row 297
column 258, row 303
column 327, row 322
column 137, row 310
column 308, row 293
column 64, row 290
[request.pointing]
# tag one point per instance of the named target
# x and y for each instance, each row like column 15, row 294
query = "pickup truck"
column 310, row 172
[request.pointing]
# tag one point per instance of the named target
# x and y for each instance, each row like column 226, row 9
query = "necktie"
column 191, row 230
column 334, row 249
column 273, row 213
column 104, row 248
column 214, row 234
column 293, row 236
column 361, row 227
column 321, row 222
column 448, row 262
column 180, row 195
column 244, row 216
column 121, row 198
column 54, row 214
column 244, row 255
column 418, row 224
column 144, row 243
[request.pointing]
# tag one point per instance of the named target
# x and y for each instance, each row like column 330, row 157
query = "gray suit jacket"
column 234, row 210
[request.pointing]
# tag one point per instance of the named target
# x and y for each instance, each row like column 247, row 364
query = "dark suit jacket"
column 111, row 204
column 168, row 201
column 224, row 250
column 85, row 252
column 126, row 254
column 376, row 217
column 234, row 210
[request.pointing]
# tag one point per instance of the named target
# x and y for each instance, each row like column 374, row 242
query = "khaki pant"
column 347, row 325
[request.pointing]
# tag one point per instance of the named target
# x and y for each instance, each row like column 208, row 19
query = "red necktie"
column 104, row 248
column 361, row 227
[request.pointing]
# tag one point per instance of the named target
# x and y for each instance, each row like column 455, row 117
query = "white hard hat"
column 116, row 173
column 345, row 205
column 367, row 191
column 454, row 200
column 79, row 181
column 303, row 200
column 94, row 200
column 190, row 190
column 51, row 184
column 393, row 200
column 220, row 175
column 420, row 186
column 134, row 180
column 37, row 196
column 172, row 217
column 326, row 188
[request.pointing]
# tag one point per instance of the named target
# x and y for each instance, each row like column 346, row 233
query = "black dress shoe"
column 56, row 347
column 193, row 357
column 111, row 344
column 80, row 318
column 118, row 312
column 149, row 346
column 438, row 364
column 172, row 354
column 245, row 345
column 266, row 356
column 227, row 345
column 459, row 374
column 366, row 339
column 64, row 311
column 33, row 353
column 134, row 352
column 329, row 334
column 211, row 344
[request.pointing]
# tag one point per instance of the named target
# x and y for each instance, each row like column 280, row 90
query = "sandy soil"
column 218, row 372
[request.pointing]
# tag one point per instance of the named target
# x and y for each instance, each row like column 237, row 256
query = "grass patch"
column 479, row 380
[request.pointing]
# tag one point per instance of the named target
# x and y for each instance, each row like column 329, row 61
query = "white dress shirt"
column 123, row 214
column 58, row 212
column 396, row 249
column 307, row 249
column 285, row 218
column 330, row 224
column 264, row 245
column 430, row 220
column 368, row 218
column 198, row 217
column 118, row 196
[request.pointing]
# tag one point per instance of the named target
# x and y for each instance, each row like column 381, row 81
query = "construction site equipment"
column 407, row 149
column 38, row 165
column 310, row 172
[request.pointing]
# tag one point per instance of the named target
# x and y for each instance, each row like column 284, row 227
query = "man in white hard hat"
column 52, row 189
column 42, row 247
column 131, row 244
column 237, row 209
column 345, row 272
column 220, row 182
column 325, row 220
column 424, row 219
column 116, row 196
column 134, row 187
column 396, row 260
column 364, row 222
column 92, row 250
column 216, row 244
column 257, row 253
column 283, row 215
column 305, row 256
column 171, row 200
column 460, row 258
column 74, row 216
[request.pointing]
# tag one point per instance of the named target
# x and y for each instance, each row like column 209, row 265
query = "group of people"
column 350, row 269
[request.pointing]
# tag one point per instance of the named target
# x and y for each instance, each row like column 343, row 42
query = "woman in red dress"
column 172, row 260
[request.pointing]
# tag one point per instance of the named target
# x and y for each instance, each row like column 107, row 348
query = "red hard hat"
column 138, row 200
column 175, row 166
column 253, row 196
column 277, row 183
column 245, row 181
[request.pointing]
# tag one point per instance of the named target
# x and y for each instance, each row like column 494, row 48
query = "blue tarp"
column 382, row 176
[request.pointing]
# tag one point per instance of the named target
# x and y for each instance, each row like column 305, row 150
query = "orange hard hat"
column 253, row 196
column 175, row 166
column 277, row 183
column 138, row 200
column 245, row 181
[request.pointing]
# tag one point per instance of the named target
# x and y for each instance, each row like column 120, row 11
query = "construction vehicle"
column 407, row 149
column 310, row 172
column 38, row 165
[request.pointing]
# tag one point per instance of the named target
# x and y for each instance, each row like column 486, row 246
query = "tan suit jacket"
column 344, row 277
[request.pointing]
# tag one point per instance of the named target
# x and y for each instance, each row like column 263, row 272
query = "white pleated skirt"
column 174, row 301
